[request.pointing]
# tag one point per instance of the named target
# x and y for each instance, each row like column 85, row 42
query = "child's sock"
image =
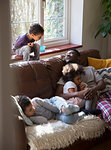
column 70, row 109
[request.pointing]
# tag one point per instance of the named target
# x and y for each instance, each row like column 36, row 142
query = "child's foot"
column 70, row 109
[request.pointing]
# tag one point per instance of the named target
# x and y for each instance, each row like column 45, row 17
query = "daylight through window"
column 53, row 18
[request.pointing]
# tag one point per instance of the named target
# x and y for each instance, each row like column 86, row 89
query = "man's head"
column 72, row 56
column 26, row 105
column 36, row 31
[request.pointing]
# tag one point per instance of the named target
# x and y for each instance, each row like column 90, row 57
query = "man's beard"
column 71, row 61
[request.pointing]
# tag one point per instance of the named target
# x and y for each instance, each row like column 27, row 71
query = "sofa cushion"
column 25, row 118
column 99, row 63
column 84, row 54
column 54, row 67
column 32, row 79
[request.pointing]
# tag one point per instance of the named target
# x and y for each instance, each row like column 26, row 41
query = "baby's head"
column 26, row 105
column 36, row 31
column 72, row 72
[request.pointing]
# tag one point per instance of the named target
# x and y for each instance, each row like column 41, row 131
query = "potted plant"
column 105, row 27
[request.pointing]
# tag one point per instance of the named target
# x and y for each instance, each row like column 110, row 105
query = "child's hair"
column 70, row 71
column 24, row 101
column 36, row 29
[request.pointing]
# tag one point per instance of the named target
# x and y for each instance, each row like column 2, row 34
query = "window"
column 52, row 14
column 23, row 13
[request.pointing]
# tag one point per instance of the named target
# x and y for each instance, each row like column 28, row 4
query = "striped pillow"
column 106, row 75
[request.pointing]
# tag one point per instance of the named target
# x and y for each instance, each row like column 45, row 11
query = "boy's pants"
column 69, row 119
column 26, row 50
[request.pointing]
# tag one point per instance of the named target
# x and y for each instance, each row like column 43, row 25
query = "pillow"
column 26, row 119
column 106, row 75
column 99, row 63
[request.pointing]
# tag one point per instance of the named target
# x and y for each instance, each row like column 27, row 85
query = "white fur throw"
column 57, row 134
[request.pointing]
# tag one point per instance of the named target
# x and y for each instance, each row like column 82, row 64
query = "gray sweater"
column 44, row 108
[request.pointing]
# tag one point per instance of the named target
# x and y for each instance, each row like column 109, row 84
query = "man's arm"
column 59, row 92
column 92, row 91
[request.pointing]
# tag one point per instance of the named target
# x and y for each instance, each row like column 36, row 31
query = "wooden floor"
column 106, row 145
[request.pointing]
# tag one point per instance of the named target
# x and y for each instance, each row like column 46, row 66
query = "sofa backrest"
column 39, row 78
column 31, row 79
column 84, row 54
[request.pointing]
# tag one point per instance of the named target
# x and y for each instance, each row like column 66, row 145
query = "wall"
column 92, row 18
column 109, row 47
column 6, row 123
column 89, row 12
column 76, row 21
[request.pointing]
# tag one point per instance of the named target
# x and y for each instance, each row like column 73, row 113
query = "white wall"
column 76, row 21
column 85, row 18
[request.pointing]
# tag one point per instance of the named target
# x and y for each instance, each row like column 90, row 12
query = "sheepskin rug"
column 57, row 134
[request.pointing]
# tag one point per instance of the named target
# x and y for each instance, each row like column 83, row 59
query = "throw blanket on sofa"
column 57, row 134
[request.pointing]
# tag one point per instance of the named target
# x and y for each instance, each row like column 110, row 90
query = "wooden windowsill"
column 61, row 48
column 48, row 51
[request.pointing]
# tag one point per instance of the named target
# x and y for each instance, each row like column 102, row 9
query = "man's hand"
column 80, row 94
column 83, row 86
column 90, row 93
column 31, row 44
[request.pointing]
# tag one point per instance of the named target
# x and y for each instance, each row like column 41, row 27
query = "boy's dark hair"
column 36, row 29
column 24, row 101
column 71, row 72
column 75, row 50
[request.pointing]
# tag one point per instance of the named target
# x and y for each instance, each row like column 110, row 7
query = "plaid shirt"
column 104, row 104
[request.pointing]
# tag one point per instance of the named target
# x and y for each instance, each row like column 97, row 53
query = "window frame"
column 66, row 38
column 58, row 41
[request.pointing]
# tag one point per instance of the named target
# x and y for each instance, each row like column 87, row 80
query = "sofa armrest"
column 20, row 135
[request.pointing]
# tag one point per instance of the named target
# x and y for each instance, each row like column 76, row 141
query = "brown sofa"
column 39, row 78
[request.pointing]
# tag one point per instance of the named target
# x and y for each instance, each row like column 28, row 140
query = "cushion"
column 99, row 63
column 25, row 118
column 106, row 75
column 57, row 134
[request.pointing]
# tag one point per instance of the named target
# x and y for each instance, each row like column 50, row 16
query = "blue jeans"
column 69, row 119
column 26, row 50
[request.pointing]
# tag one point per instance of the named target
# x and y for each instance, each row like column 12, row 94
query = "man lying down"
column 39, row 110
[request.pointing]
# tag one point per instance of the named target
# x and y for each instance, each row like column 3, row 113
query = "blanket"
column 57, row 134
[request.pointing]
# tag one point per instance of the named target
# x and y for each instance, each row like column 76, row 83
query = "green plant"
column 105, row 27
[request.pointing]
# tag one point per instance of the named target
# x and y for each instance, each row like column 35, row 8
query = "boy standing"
column 24, row 45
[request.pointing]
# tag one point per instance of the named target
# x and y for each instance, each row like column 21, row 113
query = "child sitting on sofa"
column 24, row 45
column 47, row 109
column 72, row 78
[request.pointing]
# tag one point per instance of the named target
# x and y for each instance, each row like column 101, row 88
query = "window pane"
column 54, row 19
column 19, row 29
column 23, row 13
